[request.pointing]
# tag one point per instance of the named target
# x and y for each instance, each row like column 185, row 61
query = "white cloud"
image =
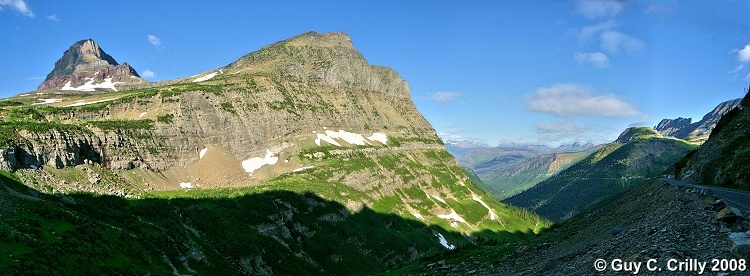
column 53, row 17
column 573, row 99
column 596, row 59
column 614, row 41
column 747, row 78
column 598, row 9
column 743, row 55
column 18, row 5
column 154, row 40
column 445, row 96
column 147, row 74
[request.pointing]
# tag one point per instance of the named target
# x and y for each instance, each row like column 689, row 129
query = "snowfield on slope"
column 186, row 185
column 453, row 217
column 90, row 86
column 330, row 137
column 207, row 77
column 444, row 242
column 302, row 169
column 202, row 153
column 253, row 164
column 48, row 101
column 439, row 199
column 477, row 199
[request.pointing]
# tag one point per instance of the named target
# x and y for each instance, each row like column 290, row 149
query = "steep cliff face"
column 675, row 127
column 723, row 158
column 86, row 67
column 684, row 128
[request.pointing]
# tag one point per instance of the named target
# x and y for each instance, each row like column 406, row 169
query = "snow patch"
column 252, row 164
column 186, row 185
column 454, row 218
column 331, row 137
column 379, row 137
column 444, row 242
column 80, row 103
column 206, row 77
column 477, row 199
column 351, row 138
column 302, row 169
column 323, row 137
column 90, row 86
column 47, row 101
column 202, row 153
column 418, row 215
column 439, row 199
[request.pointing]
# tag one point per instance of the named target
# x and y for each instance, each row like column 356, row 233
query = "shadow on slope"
column 272, row 232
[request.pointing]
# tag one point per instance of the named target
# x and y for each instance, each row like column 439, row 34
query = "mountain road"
column 738, row 198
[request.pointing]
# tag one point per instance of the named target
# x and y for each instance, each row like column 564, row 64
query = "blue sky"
column 491, row 71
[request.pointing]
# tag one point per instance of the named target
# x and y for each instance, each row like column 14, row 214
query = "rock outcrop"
column 86, row 67
column 685, row 129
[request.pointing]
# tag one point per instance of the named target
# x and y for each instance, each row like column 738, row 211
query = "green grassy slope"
column 612, row 169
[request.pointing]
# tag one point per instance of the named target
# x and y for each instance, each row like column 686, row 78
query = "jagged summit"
column 86, row 67
column 84, row 55
column 685, row 128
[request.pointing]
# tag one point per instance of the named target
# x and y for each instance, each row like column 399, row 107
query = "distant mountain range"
column 513, row 167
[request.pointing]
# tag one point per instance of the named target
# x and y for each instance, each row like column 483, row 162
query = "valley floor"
column 652, row 221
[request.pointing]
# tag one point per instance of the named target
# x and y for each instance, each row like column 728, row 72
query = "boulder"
column 729, row 214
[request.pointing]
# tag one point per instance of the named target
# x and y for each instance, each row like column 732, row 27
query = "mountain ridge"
column 686, row 129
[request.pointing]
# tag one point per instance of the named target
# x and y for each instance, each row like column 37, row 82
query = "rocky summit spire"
column 86, row 67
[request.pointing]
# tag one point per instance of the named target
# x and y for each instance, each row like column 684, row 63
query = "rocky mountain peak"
column 685, row 128
column 86, row 67
column 84, row 55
